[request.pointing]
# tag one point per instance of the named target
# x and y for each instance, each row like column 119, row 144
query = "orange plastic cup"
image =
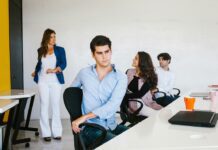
column 189, row 103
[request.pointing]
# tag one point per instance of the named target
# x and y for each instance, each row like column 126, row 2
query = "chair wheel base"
column 27, row 145
column 37, row 133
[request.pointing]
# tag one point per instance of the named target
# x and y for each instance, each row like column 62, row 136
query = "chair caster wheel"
column 36, row 133
column 27, row 145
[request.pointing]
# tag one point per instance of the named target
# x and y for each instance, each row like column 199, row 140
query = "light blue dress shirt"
column 101, row 97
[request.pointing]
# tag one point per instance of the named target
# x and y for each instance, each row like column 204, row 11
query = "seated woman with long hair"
column 142, row 82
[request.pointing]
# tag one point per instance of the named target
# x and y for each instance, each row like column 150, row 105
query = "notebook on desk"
column 195, row 118
column 199, row 94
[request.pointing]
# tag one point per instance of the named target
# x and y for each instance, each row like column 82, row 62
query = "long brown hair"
column 146, row 68
column 43, row 50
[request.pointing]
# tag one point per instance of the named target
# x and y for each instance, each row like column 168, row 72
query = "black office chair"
column 73, row 101
column 133, row 117
column 129, row 116
column 161, row 97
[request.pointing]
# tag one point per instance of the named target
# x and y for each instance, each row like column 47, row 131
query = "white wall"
column 187, row 29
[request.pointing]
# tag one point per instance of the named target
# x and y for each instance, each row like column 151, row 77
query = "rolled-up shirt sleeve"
column 109, row 109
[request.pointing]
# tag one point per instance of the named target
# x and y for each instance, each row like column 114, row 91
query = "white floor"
column 37, row 143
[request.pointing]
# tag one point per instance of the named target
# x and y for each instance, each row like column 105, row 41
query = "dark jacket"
column 61, row 62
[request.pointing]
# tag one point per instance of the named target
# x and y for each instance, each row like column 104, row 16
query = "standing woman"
column 142, row 82
column 49, row 76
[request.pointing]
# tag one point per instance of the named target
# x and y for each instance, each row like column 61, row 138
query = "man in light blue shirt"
column 103, row 90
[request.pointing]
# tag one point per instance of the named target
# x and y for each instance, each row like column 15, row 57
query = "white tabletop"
column 155, row 133
column 6, row 104
column 16, row 94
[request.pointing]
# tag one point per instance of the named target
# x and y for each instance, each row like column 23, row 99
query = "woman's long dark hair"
column 146, row 68
column 43, row 50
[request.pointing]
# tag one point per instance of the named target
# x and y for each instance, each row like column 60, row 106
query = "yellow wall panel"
column 4, row 46
column 5, row 83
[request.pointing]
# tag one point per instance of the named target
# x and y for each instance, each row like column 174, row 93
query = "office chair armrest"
column 158, row 92
column 140, row 107
column 123, row 116
column 93, row 125
column 100, row 139
column 178, row 91
column 120, row 112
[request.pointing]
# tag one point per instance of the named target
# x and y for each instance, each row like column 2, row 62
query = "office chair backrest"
column 73, row 101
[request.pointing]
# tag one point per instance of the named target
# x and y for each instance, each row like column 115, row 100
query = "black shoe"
column 47, row 139
column 57, row 138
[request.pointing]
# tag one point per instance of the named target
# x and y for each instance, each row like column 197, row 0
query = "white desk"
column 155, row 133
column 16, row 94
column 22, row 96
column 4, row 106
